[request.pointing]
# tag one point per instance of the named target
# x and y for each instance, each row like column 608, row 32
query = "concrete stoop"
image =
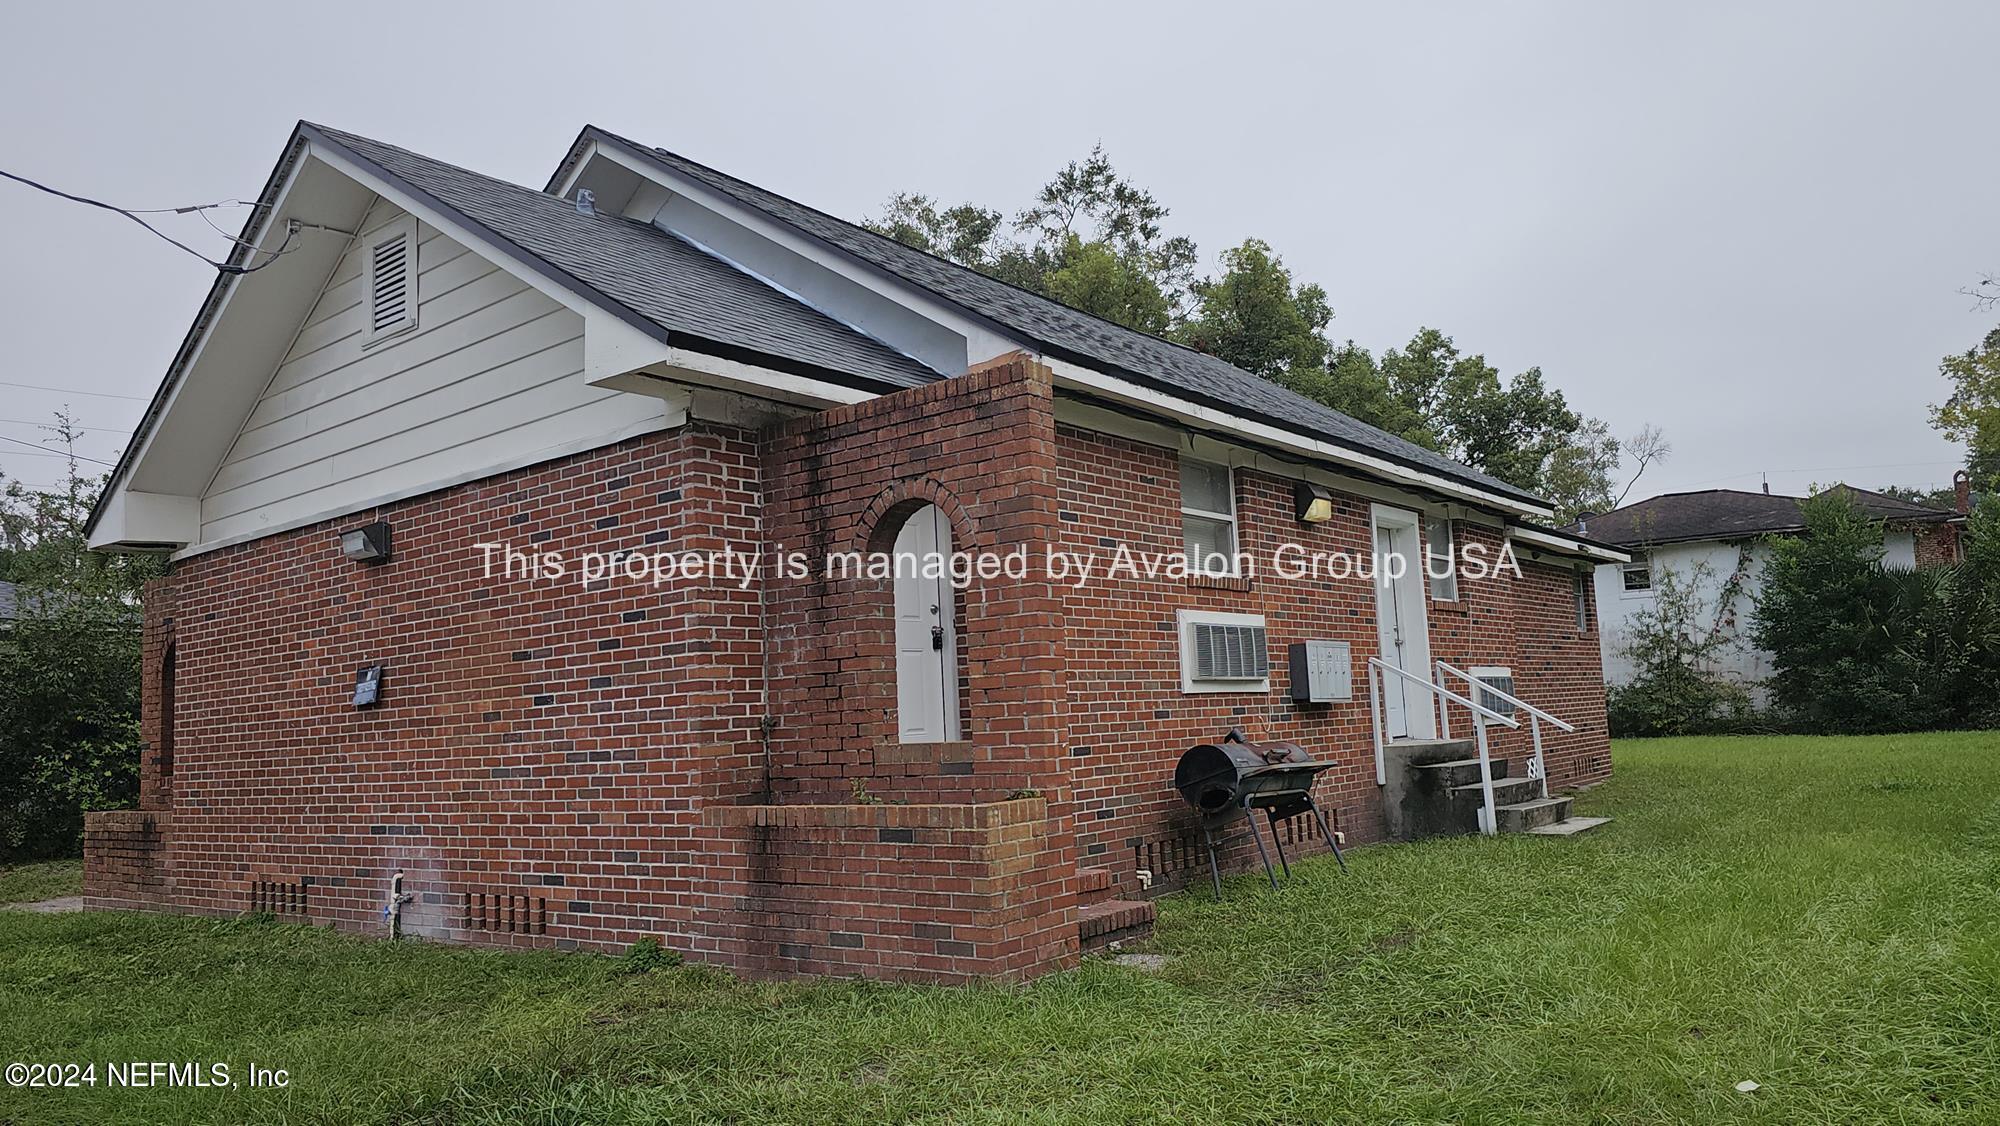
column 1441, row 795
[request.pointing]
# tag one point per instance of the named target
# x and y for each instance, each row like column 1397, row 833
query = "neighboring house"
column 352, row 721
column 1717, row 541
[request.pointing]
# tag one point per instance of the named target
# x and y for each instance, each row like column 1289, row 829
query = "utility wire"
column 79, row 426
column 292, row 228
column 73, row 391
column 57, row 453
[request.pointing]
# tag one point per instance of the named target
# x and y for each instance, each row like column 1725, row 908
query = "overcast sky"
column 1747, row 224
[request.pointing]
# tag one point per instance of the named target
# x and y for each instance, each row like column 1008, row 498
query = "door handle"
column 937, row 638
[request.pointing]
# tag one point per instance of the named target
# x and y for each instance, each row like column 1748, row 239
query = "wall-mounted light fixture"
column 1314, row 502
column 367, row 544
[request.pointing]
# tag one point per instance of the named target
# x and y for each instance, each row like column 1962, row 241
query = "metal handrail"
column 1377, row 667
column 1538, row 768
column 1507, row 696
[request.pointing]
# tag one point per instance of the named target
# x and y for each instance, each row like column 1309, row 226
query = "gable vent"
column 392, row 280
column 1230, row 652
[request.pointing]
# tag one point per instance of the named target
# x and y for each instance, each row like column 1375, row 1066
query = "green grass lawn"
column 1817, row 915
column 49, row 879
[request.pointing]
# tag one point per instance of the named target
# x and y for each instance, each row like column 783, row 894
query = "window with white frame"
column 1440, row 559
column 1583, row 602
column 1224, row 652
column 1208, row 517
column 390, row 269
column 1638, row 574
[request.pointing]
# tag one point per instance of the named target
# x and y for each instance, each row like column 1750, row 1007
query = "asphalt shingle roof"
column 1720, row 514
column 650, row 272
column 1058, row 329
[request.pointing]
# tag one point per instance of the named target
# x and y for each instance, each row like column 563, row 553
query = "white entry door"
column 1409, row 712
column 926, row 642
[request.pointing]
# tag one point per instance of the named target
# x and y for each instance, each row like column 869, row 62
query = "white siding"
column 492, row 374
column 1742, row 662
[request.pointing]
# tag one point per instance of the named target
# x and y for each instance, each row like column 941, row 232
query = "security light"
column 1315, row 502
column 367, row 544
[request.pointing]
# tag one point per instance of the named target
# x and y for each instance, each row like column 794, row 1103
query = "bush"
column 1859, row 647
column 1674, row 646
column 69, row 672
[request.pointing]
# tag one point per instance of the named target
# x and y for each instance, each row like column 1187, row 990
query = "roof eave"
column 1513, row 501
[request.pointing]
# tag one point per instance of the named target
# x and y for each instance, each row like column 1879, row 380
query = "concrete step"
column 1100, row 924
column 1523, row 816
column 1426, row 749
column 1569, row 826
column 1506, row 791
column 1095, row 885
column 1458, row 772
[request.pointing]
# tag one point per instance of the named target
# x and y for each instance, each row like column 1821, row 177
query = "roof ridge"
column 1364, row 435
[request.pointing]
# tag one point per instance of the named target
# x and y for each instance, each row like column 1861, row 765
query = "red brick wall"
column 981, row 447
column 923, row 892
column 127, row 859
column 1130, row 721
column 561, row 753
column 1936, row 544
column 534, row 740
column 156, row 767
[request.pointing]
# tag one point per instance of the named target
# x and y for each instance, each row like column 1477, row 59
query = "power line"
column 73, row 391
column 79, row 426
column 292, row 226
column 57, row 453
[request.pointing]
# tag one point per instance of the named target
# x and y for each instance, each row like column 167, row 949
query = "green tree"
column 1857, row 647
column 1091, row 240
column 1971, row 414
column 1254, row 316
column 69, row 667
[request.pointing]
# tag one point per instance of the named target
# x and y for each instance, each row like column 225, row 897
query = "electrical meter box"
column 368, row 686
column 1322, row 672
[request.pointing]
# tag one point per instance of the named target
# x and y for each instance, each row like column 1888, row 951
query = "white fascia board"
column 1157, row 402
column 982, row 340
column 135, row 518
column 1565, row 546
column 680, row 368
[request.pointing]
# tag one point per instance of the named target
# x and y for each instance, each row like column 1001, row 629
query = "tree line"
column 1093, row 240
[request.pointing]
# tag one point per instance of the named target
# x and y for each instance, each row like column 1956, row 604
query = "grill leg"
column 1263, row 853
column 1214, row 869
column 1332, row 841
column 1278, row 843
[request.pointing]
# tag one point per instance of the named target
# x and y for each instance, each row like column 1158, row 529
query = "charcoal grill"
column 1227, row 781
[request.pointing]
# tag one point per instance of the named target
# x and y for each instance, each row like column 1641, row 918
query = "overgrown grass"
column 1817, row 915
column 50, row 879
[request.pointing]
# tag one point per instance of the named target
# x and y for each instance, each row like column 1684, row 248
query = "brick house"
column 419, row 665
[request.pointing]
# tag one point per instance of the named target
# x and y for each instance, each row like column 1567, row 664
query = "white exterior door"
column 1408, row 711
column 926, row 642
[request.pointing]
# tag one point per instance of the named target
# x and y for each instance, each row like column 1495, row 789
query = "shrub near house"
column 1859, row 647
